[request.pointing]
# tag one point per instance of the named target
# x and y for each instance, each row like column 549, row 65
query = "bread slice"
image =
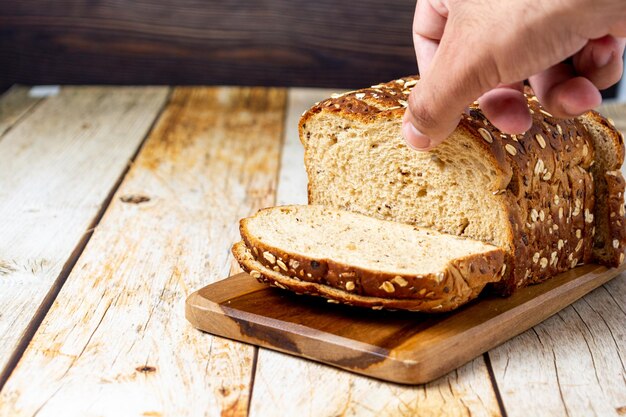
column 610, row 237
column 360, row 260
column 532, row 195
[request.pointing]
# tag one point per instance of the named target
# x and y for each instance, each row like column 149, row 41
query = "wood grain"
column 570, row 365
column 58, row 168
column 115, row 342
column 288, row 386
column 14, row 104
column 239, row 42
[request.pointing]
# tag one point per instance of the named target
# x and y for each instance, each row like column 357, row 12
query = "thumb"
column 455, row 78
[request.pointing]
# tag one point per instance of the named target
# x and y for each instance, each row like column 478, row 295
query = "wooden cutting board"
column 403, row 347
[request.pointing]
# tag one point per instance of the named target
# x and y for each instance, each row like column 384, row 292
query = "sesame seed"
column 547, row 176
column 359, row 96
column 350, row 285
column 422, row 291
column 377, row 307
column 588, row 216
column 410, row 83
column 611, row 121
column 387, row 287
column 560, row 213
column 578, row 233
column 542, row 216
column 279, row 285
column 559, row 129
column 560, row 244
column 574, row 263
column 585, row 150
column 556, row 199
column 294, row 264
column 615, row 243
column 430, row 294
column 332, row 301
column 400, row 281
column 541, row 140
column 269, row 257
column 536, row 257
column 403, row 103
column 485, row 134
column 255, row 274
column 543, row 262
column 510, row 149
column 275, row 268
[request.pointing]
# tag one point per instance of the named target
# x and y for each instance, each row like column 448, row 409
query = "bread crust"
column 547, row 188
column 428, row 302
column 461, row 280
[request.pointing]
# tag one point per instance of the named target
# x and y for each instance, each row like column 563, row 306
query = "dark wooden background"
column 325, row 43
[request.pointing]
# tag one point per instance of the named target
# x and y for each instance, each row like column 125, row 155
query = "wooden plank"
column 14, row 104
column 289, row 386
column 116, row 342
column 59, row 166
column 263, row 42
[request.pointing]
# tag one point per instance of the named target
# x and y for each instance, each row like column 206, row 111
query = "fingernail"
column 601, row 56
column 414, row 138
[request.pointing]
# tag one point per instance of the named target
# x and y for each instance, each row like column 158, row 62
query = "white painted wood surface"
column 116, row 342
column 58, row 167
column 14, row 104
column 289, row 386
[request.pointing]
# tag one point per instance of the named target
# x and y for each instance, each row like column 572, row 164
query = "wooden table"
column 116, row 203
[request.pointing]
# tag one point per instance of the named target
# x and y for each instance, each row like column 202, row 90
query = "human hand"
column 484, row 49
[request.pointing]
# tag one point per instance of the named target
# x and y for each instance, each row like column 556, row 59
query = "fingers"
column 455, row 77
column 506, row 107
column 563, row 93
column 428, row 25
column 601, row 61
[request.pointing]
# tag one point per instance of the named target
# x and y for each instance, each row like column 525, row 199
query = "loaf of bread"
column 552, row 198
column 360, row 260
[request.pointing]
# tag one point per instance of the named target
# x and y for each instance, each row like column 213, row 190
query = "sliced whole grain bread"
column 546, row 197
column 360, row 260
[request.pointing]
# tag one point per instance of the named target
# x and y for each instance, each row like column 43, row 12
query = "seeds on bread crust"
column 387, row 287
column 269, row 257
column 485, row 135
